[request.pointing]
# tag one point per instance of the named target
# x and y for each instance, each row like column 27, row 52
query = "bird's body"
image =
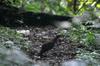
column 48, row 46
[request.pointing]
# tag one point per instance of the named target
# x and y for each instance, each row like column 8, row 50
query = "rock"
column 9, row 42
column 24, row 32
column 97, row 25
column 97, row 39
column 74, row 63
column 13, row 57
column 63, row 24
column 41, row 64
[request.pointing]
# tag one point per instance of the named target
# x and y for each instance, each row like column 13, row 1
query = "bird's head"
column 57, row 37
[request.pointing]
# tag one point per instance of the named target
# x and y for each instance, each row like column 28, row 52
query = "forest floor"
column 63, row 50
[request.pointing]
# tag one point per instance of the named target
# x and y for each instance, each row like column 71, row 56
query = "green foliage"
column 16, row 3
column 10, row 38
column 7, row 33
column 93, row 58
column 33, row 7
column 60, row 7
column 78, row 33
column 81, row 35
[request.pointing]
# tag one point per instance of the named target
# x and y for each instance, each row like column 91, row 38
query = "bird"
column 48, row 46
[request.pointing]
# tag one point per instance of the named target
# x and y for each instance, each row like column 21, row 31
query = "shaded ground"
column 63, row 50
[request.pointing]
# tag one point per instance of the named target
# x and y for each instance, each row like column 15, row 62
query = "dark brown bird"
column 48, row 46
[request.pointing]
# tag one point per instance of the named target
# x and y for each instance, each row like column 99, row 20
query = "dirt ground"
column 63, row 50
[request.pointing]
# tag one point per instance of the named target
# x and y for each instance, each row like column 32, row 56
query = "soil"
column 63, row 50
